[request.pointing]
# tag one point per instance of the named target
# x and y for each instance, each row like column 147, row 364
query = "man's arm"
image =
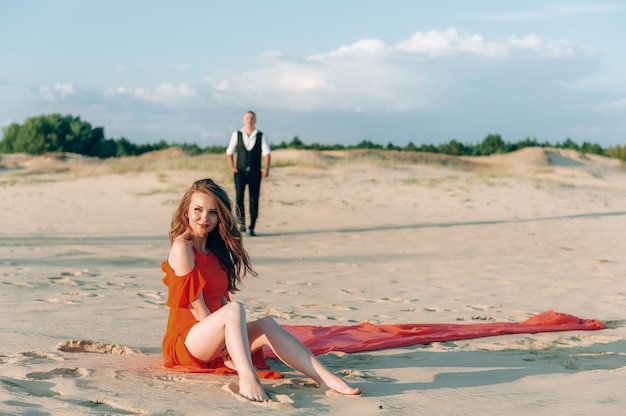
column 231, row 162
column 230, row 150
column 266, row 171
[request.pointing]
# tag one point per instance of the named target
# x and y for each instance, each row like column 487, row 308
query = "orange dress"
column 207, row 277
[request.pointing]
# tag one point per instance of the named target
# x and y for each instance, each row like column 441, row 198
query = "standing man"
column 251, row 147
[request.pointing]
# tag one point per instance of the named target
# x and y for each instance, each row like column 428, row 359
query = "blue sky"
column 325, row 71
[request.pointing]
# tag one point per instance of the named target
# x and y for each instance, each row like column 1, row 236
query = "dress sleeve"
column 182, row 289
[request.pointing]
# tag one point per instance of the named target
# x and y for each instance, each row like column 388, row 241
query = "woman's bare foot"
column 336, row 384
column 251, row 389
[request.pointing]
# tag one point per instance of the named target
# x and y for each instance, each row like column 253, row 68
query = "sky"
column 326, row 71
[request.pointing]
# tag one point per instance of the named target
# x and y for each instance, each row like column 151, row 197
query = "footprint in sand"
column 397, row 300
column 283, row 292
column 365, row 375
column 18, row 284
column 278, row 314
column 109, row 407
column 57, row 300
column 478, row 307
column 76, row 273
column 279, row 401
column 294, row 283
column 577, row 359
column 153, row 305
column 28, row 387
column 32, row 357
column 63, row 281
column 370, row 300
column 333, row 307
column 152, row 299
column 148, row 294
column 58, row 372
column 81, row 294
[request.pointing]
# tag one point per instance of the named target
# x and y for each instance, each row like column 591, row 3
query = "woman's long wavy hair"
column 225, row 241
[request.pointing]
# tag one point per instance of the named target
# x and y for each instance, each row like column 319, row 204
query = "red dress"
column 208, row 278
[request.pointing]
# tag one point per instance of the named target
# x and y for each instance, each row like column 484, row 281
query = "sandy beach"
column 343, row 237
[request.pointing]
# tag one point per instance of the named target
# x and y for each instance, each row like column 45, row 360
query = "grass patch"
column 44, row 171
column 285, row 163
column 411, row 181
column 290, row 203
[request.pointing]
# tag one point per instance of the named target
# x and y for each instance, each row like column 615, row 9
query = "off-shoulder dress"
column 207, row 278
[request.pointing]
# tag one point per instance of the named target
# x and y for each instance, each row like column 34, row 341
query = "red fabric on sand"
column 370, row 337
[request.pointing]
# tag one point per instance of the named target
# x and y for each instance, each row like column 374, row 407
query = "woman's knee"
column 267, row 324
column 259, row 330
column 236, row 310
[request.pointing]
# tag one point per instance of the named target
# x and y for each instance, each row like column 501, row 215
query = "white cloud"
column 450, row 42
column 166, row 93
column 363, row 49
column 335, row 84
column 56, row 92
column 428, row 70
column 121, row 67
column 223, row 86
column 114, row 91
column 7, row 122
column 543, row 48
column 182, row 67
column 613, row 105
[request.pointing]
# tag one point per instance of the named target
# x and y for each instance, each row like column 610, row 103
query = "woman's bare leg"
column 227, row 327
column 292, row 352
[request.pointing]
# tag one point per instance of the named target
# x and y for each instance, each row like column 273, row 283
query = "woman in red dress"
column 205, row 328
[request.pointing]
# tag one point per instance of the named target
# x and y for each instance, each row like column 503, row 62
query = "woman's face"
column 202, row 214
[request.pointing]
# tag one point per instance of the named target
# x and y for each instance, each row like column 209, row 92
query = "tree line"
column 57, row 133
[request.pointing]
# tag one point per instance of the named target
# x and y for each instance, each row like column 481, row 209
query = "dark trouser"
column 253, row 181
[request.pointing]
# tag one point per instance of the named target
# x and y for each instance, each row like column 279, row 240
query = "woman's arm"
column 199, row 309
column 182, row 260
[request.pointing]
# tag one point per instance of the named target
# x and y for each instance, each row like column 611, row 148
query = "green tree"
column 493, row 143
column 295, row 143
column 367, row 144
column 568, row 144
column 618, row 152
column 10, row 133
column 453, row 147
column 592, row 148
column 52, row 133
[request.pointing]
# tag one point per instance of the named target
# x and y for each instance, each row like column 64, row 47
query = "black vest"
column 249, row 160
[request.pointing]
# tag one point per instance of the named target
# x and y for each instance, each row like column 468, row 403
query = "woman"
column 206, row 262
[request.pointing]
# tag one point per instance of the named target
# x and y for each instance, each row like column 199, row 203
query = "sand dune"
column 344, row 237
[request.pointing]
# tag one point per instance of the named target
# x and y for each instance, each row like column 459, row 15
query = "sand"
column 344, row 237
